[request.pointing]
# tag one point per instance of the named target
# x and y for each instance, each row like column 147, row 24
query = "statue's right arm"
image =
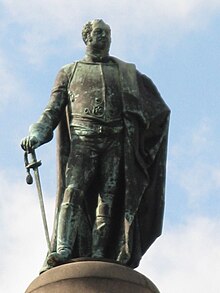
column 42, row 131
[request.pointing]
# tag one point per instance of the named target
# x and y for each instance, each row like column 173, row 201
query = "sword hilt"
column 33, row 165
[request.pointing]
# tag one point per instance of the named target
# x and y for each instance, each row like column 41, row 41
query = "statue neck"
column 96, row 56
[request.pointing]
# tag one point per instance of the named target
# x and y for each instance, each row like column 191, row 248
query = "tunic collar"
column 94, row 58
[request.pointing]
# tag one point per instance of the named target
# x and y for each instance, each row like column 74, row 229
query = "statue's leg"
column 102, row 225
column 79, row 174
column 110, row 174
column 69, row 218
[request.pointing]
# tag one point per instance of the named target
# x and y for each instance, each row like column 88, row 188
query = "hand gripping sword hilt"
column 31, row 165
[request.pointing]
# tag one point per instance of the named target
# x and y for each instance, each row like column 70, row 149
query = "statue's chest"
column 95, row 91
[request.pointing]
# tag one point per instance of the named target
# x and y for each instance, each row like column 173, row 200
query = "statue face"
column 100, row 36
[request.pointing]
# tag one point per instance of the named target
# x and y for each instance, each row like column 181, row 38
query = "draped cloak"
column 138, row 208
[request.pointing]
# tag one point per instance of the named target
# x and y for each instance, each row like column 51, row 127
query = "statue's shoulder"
column 128, row 76
column 68, row 68
column 123, row 65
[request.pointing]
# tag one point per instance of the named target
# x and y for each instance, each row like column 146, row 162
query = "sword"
column 34, row 165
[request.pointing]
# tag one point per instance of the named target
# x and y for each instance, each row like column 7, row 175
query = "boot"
column 69, row 219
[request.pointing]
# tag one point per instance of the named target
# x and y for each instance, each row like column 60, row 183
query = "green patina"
column 112, row 128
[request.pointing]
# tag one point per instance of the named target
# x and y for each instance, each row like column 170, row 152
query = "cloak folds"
column 139, row 205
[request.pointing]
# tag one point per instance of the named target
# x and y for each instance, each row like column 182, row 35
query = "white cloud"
column 186, row 258
column 200, row 180
column 12, row 89
column 46, row 22
column 191, row 164
column 196, row 140
column 22, row 244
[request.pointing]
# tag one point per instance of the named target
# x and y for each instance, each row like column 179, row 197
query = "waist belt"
column 92, row 128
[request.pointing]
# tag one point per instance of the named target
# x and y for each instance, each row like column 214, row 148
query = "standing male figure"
column 112, row 139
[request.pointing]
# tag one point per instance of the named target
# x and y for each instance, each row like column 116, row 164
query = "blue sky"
column 175, row 43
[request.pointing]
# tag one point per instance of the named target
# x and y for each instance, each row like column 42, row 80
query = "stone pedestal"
column 91, row 277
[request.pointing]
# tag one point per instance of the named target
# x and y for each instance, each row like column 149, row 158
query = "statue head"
column 96, row 35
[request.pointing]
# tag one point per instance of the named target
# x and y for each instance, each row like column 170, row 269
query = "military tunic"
column 95, row 116
column 94, row 93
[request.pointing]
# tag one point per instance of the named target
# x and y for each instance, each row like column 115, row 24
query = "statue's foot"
column 57, row 258
column 98, row 254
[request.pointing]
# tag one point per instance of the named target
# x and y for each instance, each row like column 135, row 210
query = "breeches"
column 94, row 158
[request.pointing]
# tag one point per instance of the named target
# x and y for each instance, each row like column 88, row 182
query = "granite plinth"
column 91, row 277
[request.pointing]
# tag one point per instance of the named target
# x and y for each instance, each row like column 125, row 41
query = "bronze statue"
column 112, row 141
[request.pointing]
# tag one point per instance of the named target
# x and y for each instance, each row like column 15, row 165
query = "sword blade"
column 42, row 208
